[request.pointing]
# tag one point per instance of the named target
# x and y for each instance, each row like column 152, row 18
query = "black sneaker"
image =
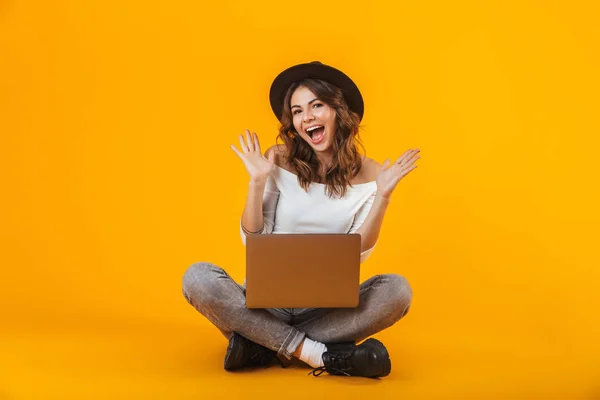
column 242, row 353
column 369, row 359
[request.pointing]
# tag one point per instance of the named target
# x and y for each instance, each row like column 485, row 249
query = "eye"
column 296, row 111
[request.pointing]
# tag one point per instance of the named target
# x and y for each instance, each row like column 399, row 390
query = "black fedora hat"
column 315, row 70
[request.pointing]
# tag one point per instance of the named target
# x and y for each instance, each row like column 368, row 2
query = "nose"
column 308, row 115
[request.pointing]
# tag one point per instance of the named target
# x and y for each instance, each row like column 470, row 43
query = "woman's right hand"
column 258, row 166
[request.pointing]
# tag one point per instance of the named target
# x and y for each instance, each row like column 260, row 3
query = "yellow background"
column 116, row 119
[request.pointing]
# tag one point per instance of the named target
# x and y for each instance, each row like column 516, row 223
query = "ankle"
column 298, row 351
column 312, row 352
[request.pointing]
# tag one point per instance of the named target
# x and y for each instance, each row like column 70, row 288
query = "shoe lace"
column 317, row 371
column 337, row 363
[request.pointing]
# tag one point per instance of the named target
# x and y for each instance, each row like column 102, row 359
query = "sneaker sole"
column 378, row 348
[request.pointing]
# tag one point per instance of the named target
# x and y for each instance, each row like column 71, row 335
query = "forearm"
column 369, row 230
column 252, row 216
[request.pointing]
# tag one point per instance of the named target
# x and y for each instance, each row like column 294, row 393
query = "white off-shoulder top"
column 288, row 208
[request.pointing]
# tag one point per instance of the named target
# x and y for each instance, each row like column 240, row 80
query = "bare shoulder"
column 279, row 149
column 280, row 158
column 369, row 170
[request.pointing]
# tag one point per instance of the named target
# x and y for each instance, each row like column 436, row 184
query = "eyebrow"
column 310, row 102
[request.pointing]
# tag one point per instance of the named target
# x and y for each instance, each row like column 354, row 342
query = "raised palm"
column 258, row 166
column 388, row 178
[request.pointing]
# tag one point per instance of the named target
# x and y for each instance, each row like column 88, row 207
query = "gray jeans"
column 383, row 300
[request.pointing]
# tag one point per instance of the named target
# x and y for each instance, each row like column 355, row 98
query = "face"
column 313, row 119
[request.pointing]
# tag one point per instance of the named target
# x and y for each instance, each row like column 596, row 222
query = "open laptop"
column 319, row 270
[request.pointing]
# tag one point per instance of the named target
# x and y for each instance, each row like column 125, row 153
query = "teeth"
column 312, row 128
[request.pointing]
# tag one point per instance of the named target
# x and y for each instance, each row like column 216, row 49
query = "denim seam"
column 291, row 342
column 299, row 336
column 286, row 342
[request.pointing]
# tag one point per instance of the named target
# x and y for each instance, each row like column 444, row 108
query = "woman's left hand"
column 389, row 176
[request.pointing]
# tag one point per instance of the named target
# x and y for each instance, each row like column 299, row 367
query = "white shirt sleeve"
column 270, row 198
column 359, row 219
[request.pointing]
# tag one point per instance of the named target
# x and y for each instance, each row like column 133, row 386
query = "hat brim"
column 315, row 70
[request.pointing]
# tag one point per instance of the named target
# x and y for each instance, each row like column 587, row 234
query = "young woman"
column 316, row 181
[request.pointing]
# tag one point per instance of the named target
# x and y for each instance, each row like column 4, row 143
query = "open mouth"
column 316, row 133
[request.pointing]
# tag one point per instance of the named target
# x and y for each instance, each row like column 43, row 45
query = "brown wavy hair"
column 346, row 161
